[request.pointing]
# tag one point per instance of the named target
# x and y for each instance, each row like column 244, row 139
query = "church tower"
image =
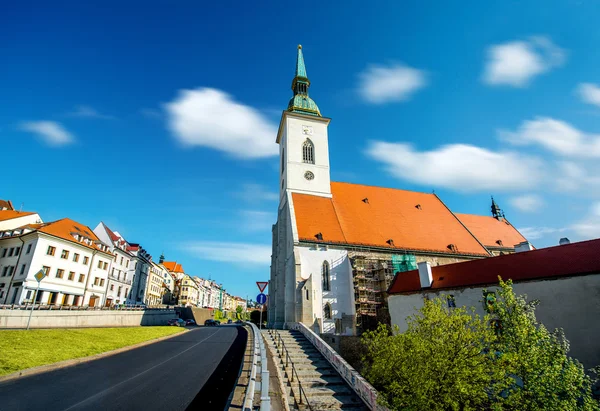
column 303, row 141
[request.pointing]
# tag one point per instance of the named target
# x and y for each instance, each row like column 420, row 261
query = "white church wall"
column 341, row 294
column 297, row 130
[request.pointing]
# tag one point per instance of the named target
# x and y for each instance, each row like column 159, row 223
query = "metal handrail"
column 287, row 358
column 37, row 306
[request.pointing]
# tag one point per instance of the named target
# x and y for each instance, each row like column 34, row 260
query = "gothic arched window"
column 325, row 274
column 327, row 311
column 308, row 152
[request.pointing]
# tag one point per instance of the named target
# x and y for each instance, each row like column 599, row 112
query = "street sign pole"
column 33, row 304
column 39, row 276
column 261, row 286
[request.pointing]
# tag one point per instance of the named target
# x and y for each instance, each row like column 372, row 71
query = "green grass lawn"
column 20, row 349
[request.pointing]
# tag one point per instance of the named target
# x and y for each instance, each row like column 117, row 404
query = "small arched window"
column 327, row 311
column 325, row 274
column 308, row 152
column 282, row 161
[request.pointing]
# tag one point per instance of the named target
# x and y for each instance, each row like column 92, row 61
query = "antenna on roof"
column 21, row 208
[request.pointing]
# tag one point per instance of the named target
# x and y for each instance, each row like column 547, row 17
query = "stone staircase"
column 322, row 387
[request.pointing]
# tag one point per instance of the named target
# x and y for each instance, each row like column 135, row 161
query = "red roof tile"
column 173, row 267
column 414, row 221
column 6, row 204
column 111, row 234
column 489, row 230
column 65, row 229
column 10, row 214
column 559, row 261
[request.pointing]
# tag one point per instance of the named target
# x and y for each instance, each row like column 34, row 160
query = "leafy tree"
column 453, row 359
column 544, row 376
column 440, row 363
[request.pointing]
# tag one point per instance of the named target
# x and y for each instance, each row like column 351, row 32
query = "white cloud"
column 534, row 233
column 571, row 176
column 556, row 136
column 252, row 220
column 381, row 84
column 211, row 118
column 50, row 132
column 589, row 93
column 586, row 228
column 516, row 63
column 458, row 166
column 88, row 112
column 527, row 203
column 253, row 193
column 229, row 252
column 589, row 227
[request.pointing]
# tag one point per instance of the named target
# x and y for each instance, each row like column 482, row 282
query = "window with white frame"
column 308, row 152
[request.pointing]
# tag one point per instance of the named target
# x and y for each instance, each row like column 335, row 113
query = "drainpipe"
column 107, row 281
column 15, row 271
column 87, row 280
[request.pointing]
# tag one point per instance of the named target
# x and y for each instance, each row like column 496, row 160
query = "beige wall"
column 84, row 318
column 571, row 303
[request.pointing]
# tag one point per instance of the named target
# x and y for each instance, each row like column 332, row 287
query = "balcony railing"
column 77, row 308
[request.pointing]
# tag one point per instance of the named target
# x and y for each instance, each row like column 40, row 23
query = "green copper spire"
column 301, row 103
column 300, row 67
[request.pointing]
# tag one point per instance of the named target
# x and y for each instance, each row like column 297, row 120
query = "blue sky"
column 159, row 119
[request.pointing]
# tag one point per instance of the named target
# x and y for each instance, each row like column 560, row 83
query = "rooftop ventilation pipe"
column 425, row 276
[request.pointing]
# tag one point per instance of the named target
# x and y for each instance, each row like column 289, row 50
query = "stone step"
column 323, row 391
column 339, row 402
column 299, row 354
column 321, row 380
column 317, row 365
column 309, row 373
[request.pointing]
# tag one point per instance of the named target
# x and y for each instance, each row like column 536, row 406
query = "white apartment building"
column 120, row 277
column 189, row 292
column 10, row 219
column 169, row 283
column 75, row 261
column 141, row 266
column 156, row 287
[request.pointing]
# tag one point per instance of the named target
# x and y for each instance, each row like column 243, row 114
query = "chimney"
column 564, row 241
column 425, row 274
column 524, row 246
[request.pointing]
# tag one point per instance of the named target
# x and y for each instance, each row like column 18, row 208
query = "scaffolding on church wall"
column 372, row 276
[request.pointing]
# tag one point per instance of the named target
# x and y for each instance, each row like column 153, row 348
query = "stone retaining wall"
column 361, row 386
column 84, row 318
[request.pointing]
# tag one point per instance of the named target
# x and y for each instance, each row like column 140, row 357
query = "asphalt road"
column 174, row 374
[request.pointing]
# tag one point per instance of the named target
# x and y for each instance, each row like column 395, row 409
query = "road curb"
column 69, row 363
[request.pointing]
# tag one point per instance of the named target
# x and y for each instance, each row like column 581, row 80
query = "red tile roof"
column 414, row 221
column 65, row 229
column 111, row 234
column 6, row 204
column 10, row 214
column 559, row 261
column 489, row 230
column 173, row 267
